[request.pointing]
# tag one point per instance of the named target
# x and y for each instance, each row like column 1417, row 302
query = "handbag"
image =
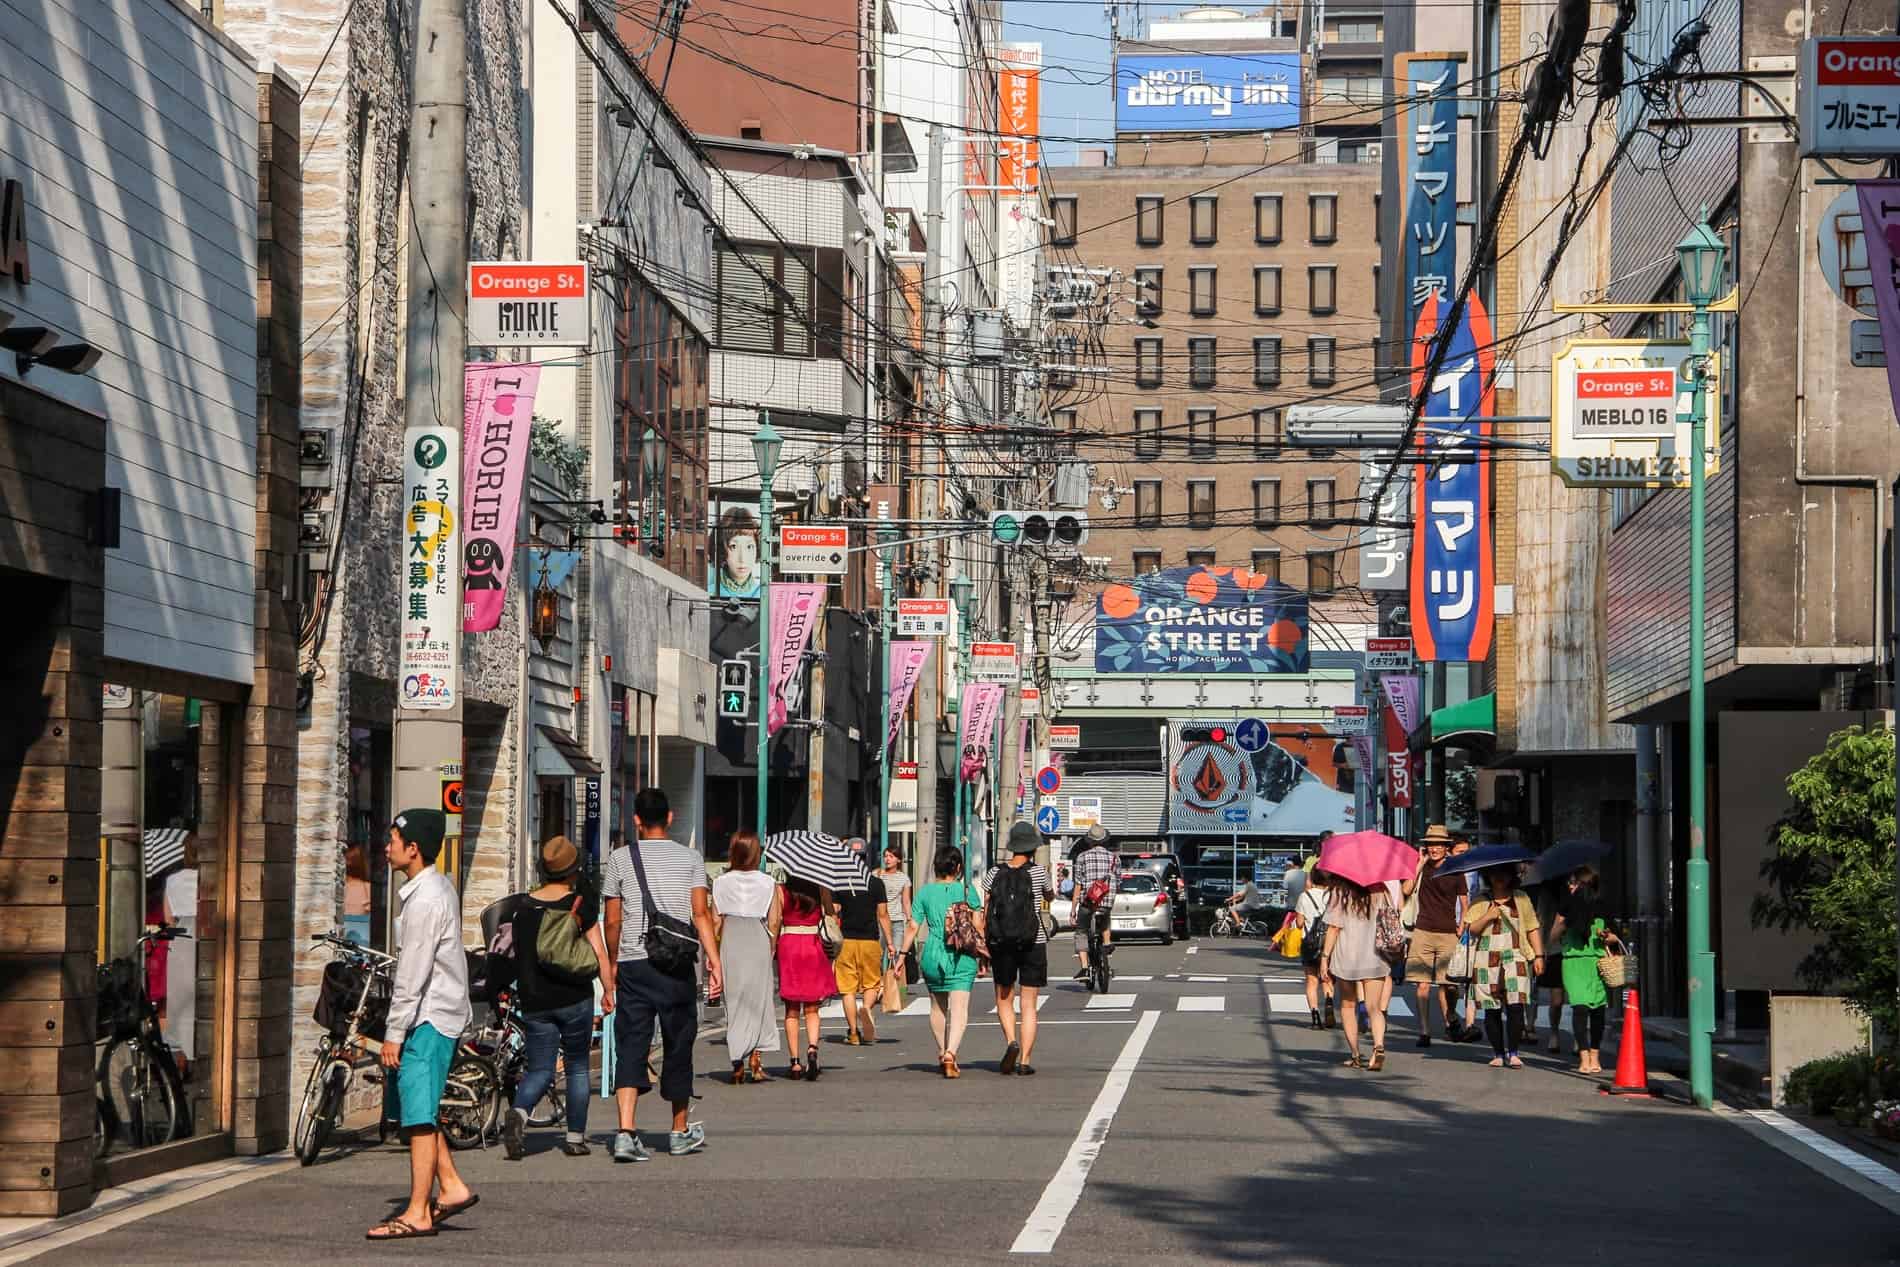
column 893, row 982
column 913, row 971
column 561, row 945
column 1618, row 971
column 1462, row 967
column 959, row 926
column 1291, row 942
column 830, row 935
column 672, row 945
column 1389, row 941
column 1409, row 915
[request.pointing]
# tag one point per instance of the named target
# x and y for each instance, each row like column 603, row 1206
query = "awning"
column 567, row 757
column 162, row 848
column 1475, row 719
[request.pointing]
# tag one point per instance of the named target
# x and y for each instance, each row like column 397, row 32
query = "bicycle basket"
column 342, row 985
column 118, row 999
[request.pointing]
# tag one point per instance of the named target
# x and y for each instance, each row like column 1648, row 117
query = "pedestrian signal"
column 735, row 688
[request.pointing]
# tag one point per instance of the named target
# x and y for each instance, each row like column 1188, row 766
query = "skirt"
column 745, row 953
column 804, row 970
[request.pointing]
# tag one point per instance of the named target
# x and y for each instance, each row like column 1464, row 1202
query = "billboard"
column 1202, row 92
column 1018, row 88
column 1453, row 569
column 1201, row 620
column 1288, row 788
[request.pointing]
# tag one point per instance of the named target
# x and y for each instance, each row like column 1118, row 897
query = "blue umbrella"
column 1566, row 856
column 1486, row 856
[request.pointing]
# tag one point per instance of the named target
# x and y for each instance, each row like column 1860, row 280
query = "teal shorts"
column 426, row 1055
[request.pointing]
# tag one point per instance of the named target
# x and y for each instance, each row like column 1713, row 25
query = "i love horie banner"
column 795, row 610
column 907, row 665
column 497, row 414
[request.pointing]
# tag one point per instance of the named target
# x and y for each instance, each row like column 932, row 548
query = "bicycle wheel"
column 316, row 1116
column 141, row 1089
column 471, row 1102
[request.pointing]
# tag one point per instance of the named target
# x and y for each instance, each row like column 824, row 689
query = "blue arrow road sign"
column 1251, row 734
column 1048, row 779
column 1048, row 820
column 1234, row 814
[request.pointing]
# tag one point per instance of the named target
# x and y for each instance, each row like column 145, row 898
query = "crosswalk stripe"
column 1040, row 1000
column 1110, row 1003
column 1207, row 978
column 1295, row 1003
column 1201, row 1003
column 1119, row 978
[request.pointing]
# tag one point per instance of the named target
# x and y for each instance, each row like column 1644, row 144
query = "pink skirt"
column 804, row 970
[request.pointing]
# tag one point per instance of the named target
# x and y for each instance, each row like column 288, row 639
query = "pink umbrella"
column 1368, row 858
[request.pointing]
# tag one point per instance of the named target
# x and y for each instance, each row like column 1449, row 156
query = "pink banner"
column 982, row 705
column 1362, row 744
column 1406, row 691
column 1880, row 226
column 497, row 411
column 795, row 611
column 907, row 666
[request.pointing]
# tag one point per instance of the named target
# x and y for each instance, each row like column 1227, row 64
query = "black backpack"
column 1014, row 911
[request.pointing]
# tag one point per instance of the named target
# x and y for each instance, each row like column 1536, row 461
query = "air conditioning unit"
column 1372, row 152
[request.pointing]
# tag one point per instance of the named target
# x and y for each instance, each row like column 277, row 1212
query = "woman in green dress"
column 1583, row 938
column 948, row 974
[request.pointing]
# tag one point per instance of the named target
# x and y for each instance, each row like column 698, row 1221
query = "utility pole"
column 929, row 701
column 428, row 729
column 887, row 624
column 1009, row 750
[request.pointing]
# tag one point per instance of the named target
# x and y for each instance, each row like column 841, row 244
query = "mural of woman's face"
column 742, row 557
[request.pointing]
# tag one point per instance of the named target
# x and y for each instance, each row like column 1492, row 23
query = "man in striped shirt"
column 1094, row 859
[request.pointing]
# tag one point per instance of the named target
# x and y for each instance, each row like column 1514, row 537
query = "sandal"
column 1353, row 1062
column 950, row 1069
column 1497, row 1062
column 1514, row 1063
column 811, row 1063
column 1378, row 1059
column 438, row 1211
column 794, row 1071
column 402, row 1231
column 756, row 1072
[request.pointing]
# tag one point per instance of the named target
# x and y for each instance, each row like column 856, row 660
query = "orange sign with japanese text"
column 1019, row 92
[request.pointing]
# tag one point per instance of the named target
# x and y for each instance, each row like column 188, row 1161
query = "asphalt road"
column 1240, row 1137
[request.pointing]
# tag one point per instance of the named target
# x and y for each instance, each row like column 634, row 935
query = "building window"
column 1356, row 31
column 1147, row 503
column 1322, row 289
column 1201, row 284
column 1378, row 295
column 1266, row 433
column 1320, row 574
column 1201, row 433
column 660, row 395
column 1266, row 218
column 1147, row 362
column 1266, row 503
column 1201, row 362
column 1320, row 371
column 1358, row 89
column 1266, row 290
column 1148, row 220
column 1148, row 292
column 1200, row 503
column 1147, row 562
column 1267, row 563
column 753, row 314
column 1062, row 362
column 1200, row 558
column 1203, row 210
column 1147, row 433
column 1066, row 424
column 1062, row 211
column 1266, row 362
column 1322, row 212
column 1319, row 503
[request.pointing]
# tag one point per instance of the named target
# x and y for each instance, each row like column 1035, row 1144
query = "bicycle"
column 489, row 1064
column 138, row 1070
column 1100, row 973
column 353, row 1006
column 1227, row 924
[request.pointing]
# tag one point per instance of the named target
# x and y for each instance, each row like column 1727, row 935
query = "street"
column 1239, row 1138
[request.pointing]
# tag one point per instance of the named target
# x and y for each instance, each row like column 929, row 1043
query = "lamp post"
column 887, row 622
column 1701, row 259
column 962, row 594
column 766, row 444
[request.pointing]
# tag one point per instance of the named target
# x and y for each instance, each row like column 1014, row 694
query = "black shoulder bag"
column 672, row 945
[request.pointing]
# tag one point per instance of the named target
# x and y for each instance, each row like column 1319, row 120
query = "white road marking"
column 1841, row 1155
column 1194, row 950
column 1059, row 1198
column 1294, row 1003
column 919, row 1006
column 1398, row 1007
column 1040, row 1000
column 1132, row 978
column 1207, row 978
column 1110, row 1003
column 1209, row 1003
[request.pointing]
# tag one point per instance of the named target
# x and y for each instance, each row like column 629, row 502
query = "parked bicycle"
column 353, row 1008
column 1227, row 924
column 140, row 1095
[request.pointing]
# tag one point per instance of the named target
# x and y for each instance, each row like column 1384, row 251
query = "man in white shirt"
column 428, row 1009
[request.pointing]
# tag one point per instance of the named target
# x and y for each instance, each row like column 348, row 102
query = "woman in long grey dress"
column 746, row 921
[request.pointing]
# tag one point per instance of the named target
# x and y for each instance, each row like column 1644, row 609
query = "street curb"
column 116, row 1207
column 1737, row 1075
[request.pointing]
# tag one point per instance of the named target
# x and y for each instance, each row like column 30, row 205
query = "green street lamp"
column 766, row 446
column 1702, row 258
column 963, row 596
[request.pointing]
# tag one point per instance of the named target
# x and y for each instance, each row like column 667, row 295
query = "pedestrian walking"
column 1508, row 958
column 1436, row 898
column 428, row 1010
column 746, row 921
column 559, row 951
column 1582, row 937
column 659, row 916
column 1092, row 867
column 805, row 978
column 945, row 916
column 1309, row 913
column 1018, row 938
column 896, row 882
column 864, row 926
column 1350, row 961
column 1551, row 979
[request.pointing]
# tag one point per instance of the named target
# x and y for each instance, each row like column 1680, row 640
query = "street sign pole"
column 1701, row 957
column 886, row 536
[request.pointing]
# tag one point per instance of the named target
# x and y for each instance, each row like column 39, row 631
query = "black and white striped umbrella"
column 163, row 848
column 819, row 858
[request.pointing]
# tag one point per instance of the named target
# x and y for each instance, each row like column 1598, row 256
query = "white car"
column 1142, row 908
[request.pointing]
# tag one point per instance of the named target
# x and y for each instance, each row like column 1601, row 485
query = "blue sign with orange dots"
column 1201, row 620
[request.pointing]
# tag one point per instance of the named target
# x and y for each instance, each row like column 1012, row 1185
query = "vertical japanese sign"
column 907, row 666
column 1018, row 88
column 981, row 708
column 795, row 610
column 1428, row 173
column 431, row 651
column 1384, row 547
column 497, row 402
column 1404, row 694
column 1453, row 571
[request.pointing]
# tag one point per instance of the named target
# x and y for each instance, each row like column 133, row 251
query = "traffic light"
column 1062, row 529
column 735, row 688
column 1204, row 734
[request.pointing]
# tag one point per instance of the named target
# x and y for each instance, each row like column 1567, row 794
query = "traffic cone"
column 1632, row 1066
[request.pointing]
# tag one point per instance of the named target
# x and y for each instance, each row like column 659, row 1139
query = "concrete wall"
column 133, row 128
column 1803, row 1029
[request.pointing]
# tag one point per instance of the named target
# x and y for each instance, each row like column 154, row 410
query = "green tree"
column 1832, row 871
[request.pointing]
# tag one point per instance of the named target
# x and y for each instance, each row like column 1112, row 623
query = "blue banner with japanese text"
column 1428, row 159
column 1453, row 568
